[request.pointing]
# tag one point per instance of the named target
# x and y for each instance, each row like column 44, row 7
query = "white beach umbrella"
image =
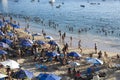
column 11, row 63
column 74, row 64
column 94, row 61
column 2, row 75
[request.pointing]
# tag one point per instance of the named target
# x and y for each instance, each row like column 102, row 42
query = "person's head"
column 78, row 71
column 69, row 69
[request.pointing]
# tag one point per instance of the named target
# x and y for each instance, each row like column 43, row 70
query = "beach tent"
column 39, row 42
column 3, row 52
column 74, row 64
column 2, row 76
column 7, row 41
column 24, row 74
column 48, row 77
column 94, row 60
column 11, row 63
column 52, row 54
column 51, row 42
column 74, row 54
column 4, row 45
column 49, row 37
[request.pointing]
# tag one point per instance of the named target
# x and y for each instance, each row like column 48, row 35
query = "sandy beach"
column 54, row 67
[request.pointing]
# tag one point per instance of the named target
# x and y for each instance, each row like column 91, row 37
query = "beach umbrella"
column 15, row 25
column 3, row 52
column 27, row 40
column 39, row 42
column 74, row 54
column 8, row 41
column 26, row 44
column 10, row 34
column 49, row 37
column 94, row 61
column 48, row 77
column 11, row 63
column 74, row 64
column 4, row 45
column 2, row 76
column 52, row 54
column 24, row 74
column 36, row 34
column 51, row 42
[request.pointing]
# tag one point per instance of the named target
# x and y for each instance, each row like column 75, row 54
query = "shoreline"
column 102, row 44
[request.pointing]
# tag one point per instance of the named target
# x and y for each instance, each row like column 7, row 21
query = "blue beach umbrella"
column 39, row 42
column 74, row 54
column 48, row 77
column 4, row 45
column 7, row 41
column 1, row 33
column 52, row 42
column 10, row 34
column 3, row 52
column 49, row 37
column 15, row 25
column 94, row 61
column 51, row 54
column 26, row 44
column 24, row 74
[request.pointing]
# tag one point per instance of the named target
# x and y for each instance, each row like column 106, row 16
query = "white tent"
column 11, row 63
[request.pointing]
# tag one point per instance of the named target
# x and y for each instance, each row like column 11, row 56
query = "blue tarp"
column 3, row 52
column 48, row 77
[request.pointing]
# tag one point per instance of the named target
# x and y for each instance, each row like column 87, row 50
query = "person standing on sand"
column 95, row 48
column 63, row 38
column 79, row 45
column 71, row 41
column 60, row 34
column 105, row 55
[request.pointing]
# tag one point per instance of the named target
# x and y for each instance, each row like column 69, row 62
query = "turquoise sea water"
column 98, row 21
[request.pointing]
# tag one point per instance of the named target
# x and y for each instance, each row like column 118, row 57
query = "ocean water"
column 98, row 21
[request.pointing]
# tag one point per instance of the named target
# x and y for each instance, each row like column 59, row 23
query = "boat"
column 58, row 6
column 51, row 1
column 82, row 5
